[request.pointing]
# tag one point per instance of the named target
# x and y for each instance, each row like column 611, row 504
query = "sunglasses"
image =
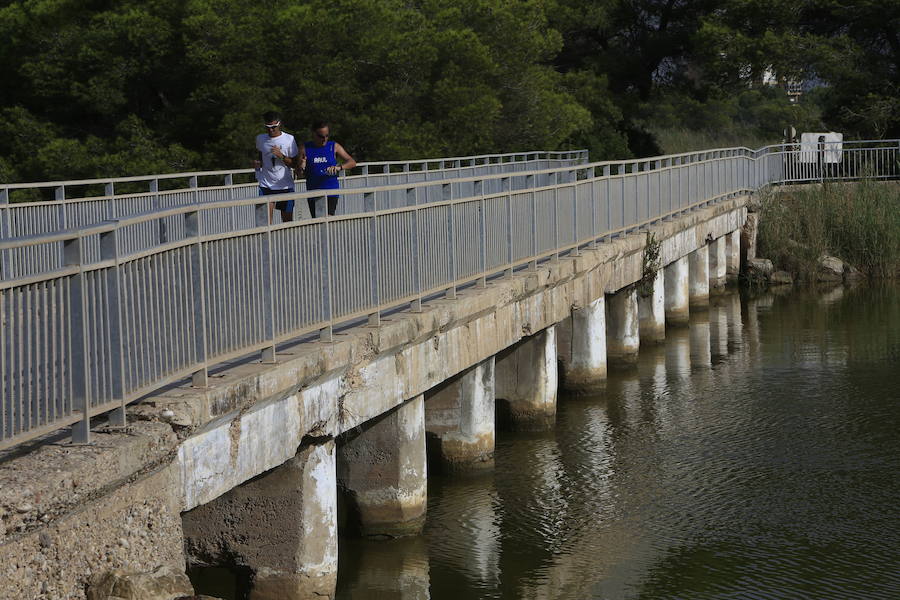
column 278, row 124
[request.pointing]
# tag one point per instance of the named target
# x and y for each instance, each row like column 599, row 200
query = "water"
column 752, row 456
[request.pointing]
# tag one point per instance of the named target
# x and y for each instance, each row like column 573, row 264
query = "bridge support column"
column 382, row 472
column 623, row 337
column 733, row 255
column 652, row 312
column 526, row 382
column 677, row 292
column 698, row 262
column 281, row 525
column 582, row 343
column 717, row 265
column 459, row 419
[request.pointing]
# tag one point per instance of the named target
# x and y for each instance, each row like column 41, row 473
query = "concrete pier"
column 282, row 526
column 459, row 419
column 584, row 339
column 733, row 255
column 652, row 312
column 718, row 265
column 382, row 472
column 698, row 287
column 622, row 332
column 676, row 292
column 526, row 382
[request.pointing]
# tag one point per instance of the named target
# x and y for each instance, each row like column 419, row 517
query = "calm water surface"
column 752, row 456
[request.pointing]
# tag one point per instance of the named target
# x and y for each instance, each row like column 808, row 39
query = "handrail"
column 221, row 172
column 96, row 332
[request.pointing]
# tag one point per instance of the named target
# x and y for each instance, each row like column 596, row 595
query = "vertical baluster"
column 261, row 214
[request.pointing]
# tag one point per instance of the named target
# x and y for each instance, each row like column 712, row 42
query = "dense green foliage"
column 95, row 87
column 859, row 223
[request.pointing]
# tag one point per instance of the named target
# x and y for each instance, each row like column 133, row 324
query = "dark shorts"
column 332, row 202
column 287, row 205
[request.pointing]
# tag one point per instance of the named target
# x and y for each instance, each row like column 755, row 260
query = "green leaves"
column 183, row 83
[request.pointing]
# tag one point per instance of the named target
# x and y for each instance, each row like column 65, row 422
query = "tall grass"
column 859, row 223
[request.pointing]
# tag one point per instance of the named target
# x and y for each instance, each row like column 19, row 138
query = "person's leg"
column 265, row 192
column 312, row 207
column 287, row 211
column 332, row 205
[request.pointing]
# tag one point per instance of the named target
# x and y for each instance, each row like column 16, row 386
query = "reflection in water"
column 768, row 472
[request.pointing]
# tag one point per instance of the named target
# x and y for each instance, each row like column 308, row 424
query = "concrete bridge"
column 449, row 319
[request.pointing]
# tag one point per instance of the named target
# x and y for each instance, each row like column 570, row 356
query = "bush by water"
column 859, row 223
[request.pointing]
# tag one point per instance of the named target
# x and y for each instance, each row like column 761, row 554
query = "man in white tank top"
column 277, row 157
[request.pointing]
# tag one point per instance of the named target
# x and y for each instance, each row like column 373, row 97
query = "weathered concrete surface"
column 718, row 265
column 676, row 289
column 749, row 234
column 69, row 513
column 698, row 285
column 382, row 472
column 281, row 525
column 253, row 416
column 623, row 327
column 652, row 312
column 733, row 255
column 581, row 344
column 459, row 419
column 526, row 382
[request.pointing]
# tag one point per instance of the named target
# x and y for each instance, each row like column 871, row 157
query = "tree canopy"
column 100, row 88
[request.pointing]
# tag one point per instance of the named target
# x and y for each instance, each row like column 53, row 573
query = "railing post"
column 326, row 334
column 416, row 305
column 109, row 250
column 109, row 189
column 482, row 233
column 154, row 206
column 5, row 233
column 200, row 377
column 451, row 254
column 261, row 218
column 60, row 194
column 591, row 176
column 509, row 235
column 371, row 207
column 532, row 265
column 192, row 183
column 73, row 256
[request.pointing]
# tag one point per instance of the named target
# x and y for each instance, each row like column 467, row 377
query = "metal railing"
column 93, row 335
column 18, row 219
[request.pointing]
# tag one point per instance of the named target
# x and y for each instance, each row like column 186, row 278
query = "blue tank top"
column 319, row 158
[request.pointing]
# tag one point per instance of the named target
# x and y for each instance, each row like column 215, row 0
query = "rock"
column 830, row 269
column 781, row 278
column 163, row 584
column 760, row 267
column 851, row 273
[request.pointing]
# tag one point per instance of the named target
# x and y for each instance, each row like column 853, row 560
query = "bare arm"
column 348, row 162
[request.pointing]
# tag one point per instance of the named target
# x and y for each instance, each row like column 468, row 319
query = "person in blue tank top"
column 321, row 157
